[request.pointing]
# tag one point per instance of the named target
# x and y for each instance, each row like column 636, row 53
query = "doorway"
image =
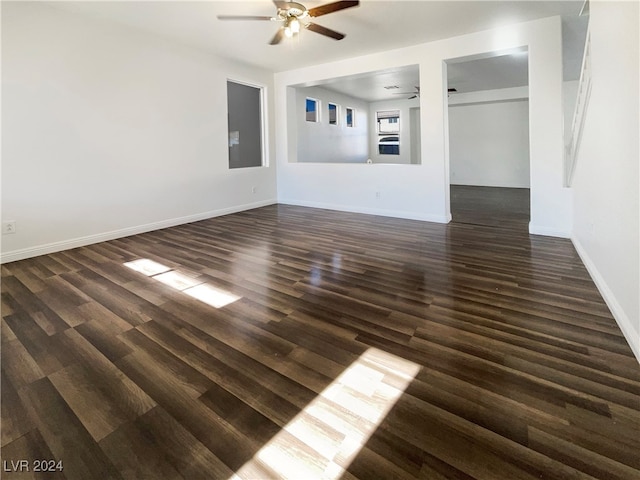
column 489, row 167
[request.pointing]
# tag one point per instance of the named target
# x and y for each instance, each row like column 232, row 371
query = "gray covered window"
column 246, row 125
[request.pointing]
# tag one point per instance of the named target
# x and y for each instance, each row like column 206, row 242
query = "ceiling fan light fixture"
column 291, row 26
column 294, row 25
column 290, row 14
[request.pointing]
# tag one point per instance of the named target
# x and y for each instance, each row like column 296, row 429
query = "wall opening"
column 355, row 125
column 488, row 126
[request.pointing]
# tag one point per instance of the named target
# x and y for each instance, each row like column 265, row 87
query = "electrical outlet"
column 254, row 189
column 9, row 227
column 378, row 195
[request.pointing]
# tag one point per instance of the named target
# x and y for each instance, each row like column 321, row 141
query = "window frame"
column 336, row 116
column 317, row 109
column 387, row 114
column 351, row 124
column 264, row 147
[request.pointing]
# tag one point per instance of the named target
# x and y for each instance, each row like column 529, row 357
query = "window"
column 333, row 114
column 349, row 117
column 312, row 110
column 246, row 125
column 389, row 145
column 388, row 122
column 389, row 132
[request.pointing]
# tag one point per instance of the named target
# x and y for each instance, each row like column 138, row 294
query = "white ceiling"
column 467, row 76
column 489, row 73
column 370, row 86
column 371, row 27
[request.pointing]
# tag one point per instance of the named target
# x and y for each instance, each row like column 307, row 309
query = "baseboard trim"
column 30, row 252
column 368, row 211
column 548, row 232
column 622, row 319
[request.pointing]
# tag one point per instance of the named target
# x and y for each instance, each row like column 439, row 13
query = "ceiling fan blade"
column 243, row 17
column 416, row 92
column 332, row 7
column 325, row 31
column 277, row 37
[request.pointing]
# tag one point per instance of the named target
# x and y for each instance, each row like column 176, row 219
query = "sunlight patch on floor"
column 190, row 285
column 177, row 280
column 211, row 295
column 325, row 437
column 147, row 267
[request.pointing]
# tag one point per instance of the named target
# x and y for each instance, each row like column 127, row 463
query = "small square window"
column 350, row 117
column 312, row 110
column 333, row 114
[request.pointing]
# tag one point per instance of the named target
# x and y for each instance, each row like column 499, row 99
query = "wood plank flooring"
column 491, row 206
column 354, row 347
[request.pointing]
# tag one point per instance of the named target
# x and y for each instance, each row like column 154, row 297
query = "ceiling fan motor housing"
column 293, row 9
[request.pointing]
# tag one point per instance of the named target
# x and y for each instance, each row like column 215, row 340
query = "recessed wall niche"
column 347, row 131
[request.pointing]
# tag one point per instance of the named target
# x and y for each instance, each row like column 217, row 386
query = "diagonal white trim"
column 579, row 114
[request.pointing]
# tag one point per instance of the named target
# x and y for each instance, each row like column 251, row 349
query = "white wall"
column 321, row 142
column 489, row 143
column 606, row 178
column 108, row 131
column 403, row 105
column 422, row 191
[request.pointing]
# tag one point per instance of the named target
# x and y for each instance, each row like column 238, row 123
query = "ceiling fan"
column 417, row 93
column 295, row 16
column 413, row 94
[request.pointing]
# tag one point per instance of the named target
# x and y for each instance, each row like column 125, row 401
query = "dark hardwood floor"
column 353, row 346
column 491, row 206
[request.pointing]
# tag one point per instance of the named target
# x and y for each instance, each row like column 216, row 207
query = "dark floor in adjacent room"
column 303, row 343
column 491, row 206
